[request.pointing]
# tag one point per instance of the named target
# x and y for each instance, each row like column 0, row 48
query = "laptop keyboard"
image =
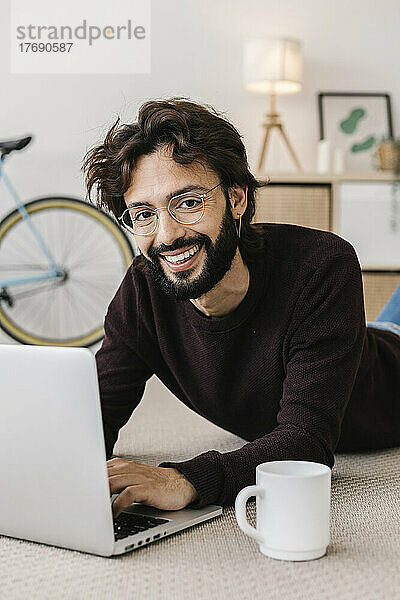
column 130, row 523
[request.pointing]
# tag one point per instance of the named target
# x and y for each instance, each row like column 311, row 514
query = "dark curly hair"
column 193, row 132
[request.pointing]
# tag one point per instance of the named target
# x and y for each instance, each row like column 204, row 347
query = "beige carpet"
column 215, row 559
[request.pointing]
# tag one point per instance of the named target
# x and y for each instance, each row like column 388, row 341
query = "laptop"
column 53, row 459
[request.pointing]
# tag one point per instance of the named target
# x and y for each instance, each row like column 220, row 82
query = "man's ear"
column 238, row 200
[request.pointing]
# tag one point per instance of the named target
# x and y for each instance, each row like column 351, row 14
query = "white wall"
column 197, row 52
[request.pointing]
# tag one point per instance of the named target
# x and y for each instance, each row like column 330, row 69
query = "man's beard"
column 217, row 262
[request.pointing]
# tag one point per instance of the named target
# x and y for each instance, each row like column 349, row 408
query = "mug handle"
column 240, row 510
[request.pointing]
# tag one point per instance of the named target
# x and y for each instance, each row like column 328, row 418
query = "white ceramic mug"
column 292, row 509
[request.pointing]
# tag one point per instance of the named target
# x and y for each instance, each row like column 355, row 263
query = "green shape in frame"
column 350, row 124
column 363, row 146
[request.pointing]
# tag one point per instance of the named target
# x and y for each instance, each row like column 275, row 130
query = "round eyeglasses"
column 187, row 208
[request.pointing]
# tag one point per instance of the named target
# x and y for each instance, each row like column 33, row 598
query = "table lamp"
column 273, row 66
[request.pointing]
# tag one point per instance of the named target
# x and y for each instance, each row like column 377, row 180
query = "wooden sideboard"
column 363, row 208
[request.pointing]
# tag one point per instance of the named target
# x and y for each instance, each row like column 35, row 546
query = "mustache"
column 177, row 245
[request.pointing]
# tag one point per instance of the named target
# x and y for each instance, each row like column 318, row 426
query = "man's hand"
column 164, row 488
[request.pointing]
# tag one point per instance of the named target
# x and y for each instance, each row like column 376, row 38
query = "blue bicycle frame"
column 54, row 272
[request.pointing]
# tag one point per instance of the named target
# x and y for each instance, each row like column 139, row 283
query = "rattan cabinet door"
column 308, row 205
column 378, row 288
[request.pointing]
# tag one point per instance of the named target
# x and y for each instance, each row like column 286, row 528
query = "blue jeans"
column 389, row 317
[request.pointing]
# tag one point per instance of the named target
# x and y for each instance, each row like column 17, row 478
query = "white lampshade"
column 272, row 66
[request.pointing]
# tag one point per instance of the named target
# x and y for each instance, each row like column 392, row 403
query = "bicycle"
column 61, row 260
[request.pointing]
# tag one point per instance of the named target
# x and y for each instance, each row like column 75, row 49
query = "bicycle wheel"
column 91, row 251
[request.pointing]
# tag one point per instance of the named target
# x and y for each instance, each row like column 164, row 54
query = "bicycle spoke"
column 86, row 306
column 33, row 291
column 76, row 244
column 20, row 267
column 82, row 249
column 18, row 252
column 99, row 293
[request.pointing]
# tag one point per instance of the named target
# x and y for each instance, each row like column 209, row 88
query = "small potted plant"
column 388, row 151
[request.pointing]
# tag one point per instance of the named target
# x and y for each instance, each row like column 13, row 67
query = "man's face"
column 156, row 176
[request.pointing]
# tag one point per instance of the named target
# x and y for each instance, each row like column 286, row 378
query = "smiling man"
column 259, row 328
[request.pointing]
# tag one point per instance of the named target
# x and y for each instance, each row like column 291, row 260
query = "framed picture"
column 355, row 122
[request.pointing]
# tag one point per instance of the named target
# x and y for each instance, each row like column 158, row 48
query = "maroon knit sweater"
column 293, row 369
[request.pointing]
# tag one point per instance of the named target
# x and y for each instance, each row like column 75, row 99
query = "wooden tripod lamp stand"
column 273, row 66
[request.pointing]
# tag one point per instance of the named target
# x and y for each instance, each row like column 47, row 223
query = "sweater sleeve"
column 324, row 346
column 122, row 375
